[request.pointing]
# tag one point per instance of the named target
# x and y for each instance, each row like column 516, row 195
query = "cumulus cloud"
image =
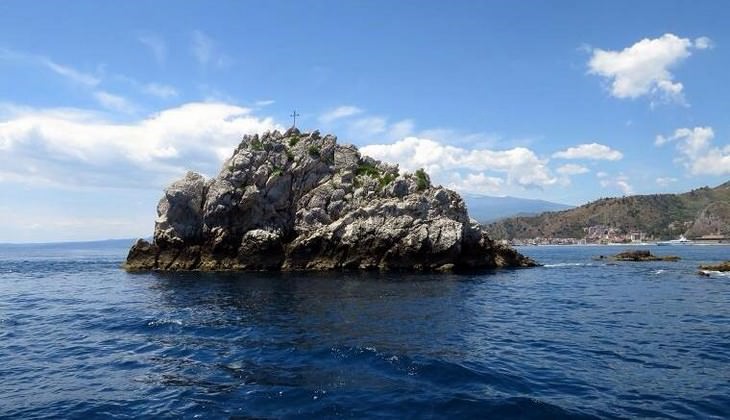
column 521, row 166
column 339, row 113
column 644, row 68
column 691, row 142
column 593, row 151
column 697, row 152
column 77, row 148
column 475, row 183
column 572, row 169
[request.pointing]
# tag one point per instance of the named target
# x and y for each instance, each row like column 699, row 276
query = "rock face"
column 300, row 201
column 712, row 220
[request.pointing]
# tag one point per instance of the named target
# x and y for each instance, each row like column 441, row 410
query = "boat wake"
column 567, row 265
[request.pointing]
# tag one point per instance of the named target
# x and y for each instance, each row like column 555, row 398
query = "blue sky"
column 102, row 104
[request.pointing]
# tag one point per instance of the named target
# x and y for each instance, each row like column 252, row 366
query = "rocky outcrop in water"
column 722, row 267
column 300, row 201
column 638, row 255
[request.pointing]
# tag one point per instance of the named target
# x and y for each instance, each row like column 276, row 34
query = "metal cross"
column 294, row 115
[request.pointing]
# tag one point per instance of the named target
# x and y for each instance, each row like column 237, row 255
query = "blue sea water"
column 80, row 338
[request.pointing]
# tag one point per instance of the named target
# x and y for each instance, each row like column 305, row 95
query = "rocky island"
column 301, row 201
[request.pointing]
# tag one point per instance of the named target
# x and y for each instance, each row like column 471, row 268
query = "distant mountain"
column 704, row 211
column 487, row 209
column 100, row 244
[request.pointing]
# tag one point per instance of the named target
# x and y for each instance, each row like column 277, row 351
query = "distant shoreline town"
column 607, row 235
column 700, row 216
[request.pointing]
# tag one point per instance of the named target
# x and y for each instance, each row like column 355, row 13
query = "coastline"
column 617, row 244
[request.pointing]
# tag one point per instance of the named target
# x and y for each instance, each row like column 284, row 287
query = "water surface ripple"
column 574, row 339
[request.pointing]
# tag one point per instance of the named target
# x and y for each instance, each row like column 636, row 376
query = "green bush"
column 422, row 181
column 314, row 151
column 386, row 179
column 257, row 145
column 367, row 169
column 293, row 140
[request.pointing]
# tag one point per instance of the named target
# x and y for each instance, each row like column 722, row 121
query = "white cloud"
column 644, row 68
column 665, row 181
column 206, row 52
column 475, row 183
column 369, row 127
column 703, row 43
column 71, row 73
column 715, row 162
column 264, row 102
column 91, row 81
column 67, row 72
column 339, row 113
column 400, row 129
column 620, row 182
column 159, row 90
column 155, row 44
column 520, row 165
column 691, row 142
column 114, row 102
column 77, row 148
column 572, row 169
column 592, row 151
column 697, row 152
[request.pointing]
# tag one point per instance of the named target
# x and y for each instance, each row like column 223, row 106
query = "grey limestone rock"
column 300, row 201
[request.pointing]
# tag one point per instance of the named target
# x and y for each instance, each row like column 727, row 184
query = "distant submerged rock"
column 300, row 201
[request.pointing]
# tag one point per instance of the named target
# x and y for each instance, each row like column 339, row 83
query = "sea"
column 575, row 338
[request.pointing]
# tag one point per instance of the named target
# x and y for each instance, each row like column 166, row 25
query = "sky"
column 103, row 104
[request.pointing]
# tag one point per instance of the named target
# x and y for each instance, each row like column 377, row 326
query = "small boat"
column 681, row 241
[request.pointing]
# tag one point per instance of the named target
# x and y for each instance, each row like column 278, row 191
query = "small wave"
column 712, row 273
column 160, row 322
column 567, row 265
column 657, row 272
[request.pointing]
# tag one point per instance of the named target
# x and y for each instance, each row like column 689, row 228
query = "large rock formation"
column 300, row 201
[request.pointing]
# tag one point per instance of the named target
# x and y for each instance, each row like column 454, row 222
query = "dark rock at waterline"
column 300, row 201
column 723, row 267
column 638, row 255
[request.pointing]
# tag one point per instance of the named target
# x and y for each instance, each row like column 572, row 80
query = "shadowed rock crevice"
column 300, row 201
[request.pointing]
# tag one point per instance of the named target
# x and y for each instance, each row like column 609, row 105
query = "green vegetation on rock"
column 422, row 180
column 257, row 145
column 314, row 151
column 368, row 169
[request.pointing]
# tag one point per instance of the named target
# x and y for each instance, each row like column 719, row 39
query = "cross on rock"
column 294, row 115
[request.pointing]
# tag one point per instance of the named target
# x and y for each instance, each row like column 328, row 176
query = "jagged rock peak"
column 301, row 201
